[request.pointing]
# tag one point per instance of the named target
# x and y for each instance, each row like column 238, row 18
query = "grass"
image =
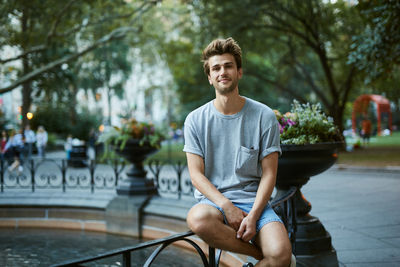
column 380, row 152
column 170, row 152
column 372, row 156
column 379, row 141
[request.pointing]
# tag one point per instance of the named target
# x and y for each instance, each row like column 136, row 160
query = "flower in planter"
column 306, row 124
column 145, row 132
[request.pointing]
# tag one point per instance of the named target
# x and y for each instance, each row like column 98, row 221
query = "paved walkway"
column 359, row 207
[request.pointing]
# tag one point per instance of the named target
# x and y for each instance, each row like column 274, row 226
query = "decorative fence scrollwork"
column 172, row 179
column 171, row 182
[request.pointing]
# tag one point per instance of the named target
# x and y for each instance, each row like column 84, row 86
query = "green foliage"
column 56, row 119
column 51, row 140
column 307, row 124
column 291, row 50
column 376, row 50
column 49, row 40
column 169, row 152
column 193, row 89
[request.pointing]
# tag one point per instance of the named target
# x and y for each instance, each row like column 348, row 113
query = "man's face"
column 224, row 75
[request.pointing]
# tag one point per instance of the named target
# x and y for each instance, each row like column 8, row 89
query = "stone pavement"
column 359, row 207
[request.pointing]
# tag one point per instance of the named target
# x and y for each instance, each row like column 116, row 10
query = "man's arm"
column 269, row 165
column 233, row 214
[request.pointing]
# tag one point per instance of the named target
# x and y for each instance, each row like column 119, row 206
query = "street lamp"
column 29, row 115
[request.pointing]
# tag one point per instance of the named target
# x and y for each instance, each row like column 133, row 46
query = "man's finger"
column 248, row 234
column 241, row 230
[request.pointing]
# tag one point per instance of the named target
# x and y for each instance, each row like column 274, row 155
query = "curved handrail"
column 287, row 200
column 168, row 240
column 156, row 252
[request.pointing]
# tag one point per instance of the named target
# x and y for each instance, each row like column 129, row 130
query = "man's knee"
column 201, row 218
column 275, row 245
column 280, row 255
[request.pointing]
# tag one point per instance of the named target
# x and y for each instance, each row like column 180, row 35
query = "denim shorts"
column 268, row 215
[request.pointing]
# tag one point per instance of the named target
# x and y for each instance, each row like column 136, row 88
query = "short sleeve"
column 270, row 141
column 191, row 138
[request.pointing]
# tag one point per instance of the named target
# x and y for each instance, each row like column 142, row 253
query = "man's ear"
column 209, row 79
column 240, row 73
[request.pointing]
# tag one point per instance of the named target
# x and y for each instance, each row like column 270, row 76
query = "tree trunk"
column 26, row 86
column 72, row 105
column 109, row 105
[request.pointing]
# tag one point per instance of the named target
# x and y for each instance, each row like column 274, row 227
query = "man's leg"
column 207, row 222
column 275, row 245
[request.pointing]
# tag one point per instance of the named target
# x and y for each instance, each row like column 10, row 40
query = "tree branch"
column 58, row 20
column 103, row 20
column 288, row 29
column 306, row 74
column 115, row 34
column 302, row 20
column 317, row 47
column 277, row 85
column 34, row 49
column 52, row 33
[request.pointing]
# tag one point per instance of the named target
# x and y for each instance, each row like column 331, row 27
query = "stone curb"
column 386, row 169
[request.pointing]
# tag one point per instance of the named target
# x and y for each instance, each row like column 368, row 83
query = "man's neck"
column 229, row 104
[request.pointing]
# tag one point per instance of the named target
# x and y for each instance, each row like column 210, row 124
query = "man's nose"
column 223, row 70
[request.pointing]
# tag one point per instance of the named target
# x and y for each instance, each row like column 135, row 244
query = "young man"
column 232, row 148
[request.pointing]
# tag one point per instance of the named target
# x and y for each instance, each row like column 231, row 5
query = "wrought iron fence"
column 59, row 173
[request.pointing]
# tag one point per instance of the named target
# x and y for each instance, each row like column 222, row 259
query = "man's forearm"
column 267, row 183
column 264, row 193
column 201, row 183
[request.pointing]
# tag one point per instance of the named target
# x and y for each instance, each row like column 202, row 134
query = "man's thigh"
column 273, row 239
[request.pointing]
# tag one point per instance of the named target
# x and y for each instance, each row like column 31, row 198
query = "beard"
column 226, row 90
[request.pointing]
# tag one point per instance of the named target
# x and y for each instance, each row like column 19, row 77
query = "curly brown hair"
column 219, row 47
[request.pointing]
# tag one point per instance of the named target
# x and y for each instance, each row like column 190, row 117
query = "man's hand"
column 247, row 229
column 234, row 216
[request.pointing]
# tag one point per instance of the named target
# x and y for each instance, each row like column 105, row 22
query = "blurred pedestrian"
column 366, row 127
column 16, row 144
column 41, row 141
column 92, row 144
column 30, row 139
column 3, row 142
column 68, row 146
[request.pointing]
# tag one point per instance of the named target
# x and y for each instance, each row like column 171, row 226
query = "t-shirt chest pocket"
column 247, row 162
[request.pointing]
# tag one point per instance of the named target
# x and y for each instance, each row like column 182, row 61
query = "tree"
column 48, row 34
column 376, row 50
column 296, row 47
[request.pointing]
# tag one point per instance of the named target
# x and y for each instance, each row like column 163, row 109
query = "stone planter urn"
column 295, row 167
column 135, row 183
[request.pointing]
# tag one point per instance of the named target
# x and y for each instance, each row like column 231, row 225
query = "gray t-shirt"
column 232, row 146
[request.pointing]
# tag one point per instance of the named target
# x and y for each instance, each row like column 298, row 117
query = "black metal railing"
column 171, row 181
column 55, row 173
column 58, row 173
column 284, row 206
